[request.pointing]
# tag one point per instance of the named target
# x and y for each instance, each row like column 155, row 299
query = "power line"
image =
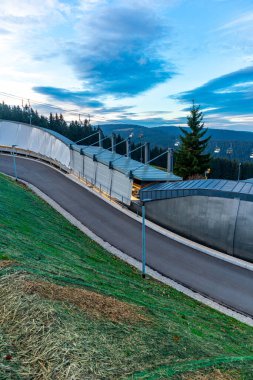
column 73, row 112
column 48, row 105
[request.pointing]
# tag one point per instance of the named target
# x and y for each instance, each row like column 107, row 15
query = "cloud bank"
column 118, row 52
column 230, row 94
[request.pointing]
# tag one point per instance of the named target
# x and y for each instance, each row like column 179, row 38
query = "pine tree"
column 190, row 159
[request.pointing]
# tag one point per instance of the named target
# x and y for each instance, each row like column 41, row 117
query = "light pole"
column 143, row 241
column 14, row 162
column 208, row 171
column 140, row 137
column 239, row 171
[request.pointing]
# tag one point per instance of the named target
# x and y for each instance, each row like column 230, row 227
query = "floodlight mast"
column 239, row 171
column 143, row 233
column 141, row 135
column 14, row 162
column 30, row 112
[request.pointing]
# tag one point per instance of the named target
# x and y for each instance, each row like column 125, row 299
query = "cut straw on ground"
column 95, row 304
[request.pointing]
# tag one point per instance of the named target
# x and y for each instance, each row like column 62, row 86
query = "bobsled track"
column 220, row 281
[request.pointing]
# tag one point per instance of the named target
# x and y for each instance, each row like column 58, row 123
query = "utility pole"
column 141, row 137
column 170, row 160
column 14, row 162
column 30, row 112
column 143, row 241
column 239, row 171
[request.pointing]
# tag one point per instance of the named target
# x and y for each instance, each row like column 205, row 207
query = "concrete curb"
column 137, row 264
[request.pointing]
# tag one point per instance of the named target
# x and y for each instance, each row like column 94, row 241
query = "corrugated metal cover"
column 250, row 180
column 89, row 168
column 125, row 165
column 77, row 163
column 210, row 187
column 103, row 177
column 121, row 187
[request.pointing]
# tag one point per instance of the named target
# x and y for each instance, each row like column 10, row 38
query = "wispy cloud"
column 4, row 31
column 243, row 21
column 79, row 98
column 83, row 100
column 24, row 16
column 230, row 94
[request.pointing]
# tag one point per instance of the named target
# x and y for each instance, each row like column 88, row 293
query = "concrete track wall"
column 43, row 144
column 35, row 142
column 221, row 223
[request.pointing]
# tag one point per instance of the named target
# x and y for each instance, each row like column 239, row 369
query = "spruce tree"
column 190, row 159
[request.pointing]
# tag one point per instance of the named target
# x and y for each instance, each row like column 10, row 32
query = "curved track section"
column 35, row 141
column 221, row 281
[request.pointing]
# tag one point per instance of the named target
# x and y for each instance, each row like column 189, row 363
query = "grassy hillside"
column 69, row 310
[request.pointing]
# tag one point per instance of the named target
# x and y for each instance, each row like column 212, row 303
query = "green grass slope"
column 70, row 310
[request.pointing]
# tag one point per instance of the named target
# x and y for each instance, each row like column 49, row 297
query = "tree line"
column 74, row 130
column 191, row 158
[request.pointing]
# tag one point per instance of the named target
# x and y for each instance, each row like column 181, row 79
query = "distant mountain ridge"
column 173, row 132
column 166, row 136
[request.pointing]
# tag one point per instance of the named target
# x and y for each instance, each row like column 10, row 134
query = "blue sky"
column 140, row 61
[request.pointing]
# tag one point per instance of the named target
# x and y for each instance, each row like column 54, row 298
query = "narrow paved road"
column 220, row 281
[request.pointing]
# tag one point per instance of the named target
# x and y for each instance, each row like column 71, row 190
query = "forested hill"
column 164, row 136
column 158, row 133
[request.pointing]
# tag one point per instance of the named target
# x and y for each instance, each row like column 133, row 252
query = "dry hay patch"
column 6, row 263
column 216, row 374
column 96, row 304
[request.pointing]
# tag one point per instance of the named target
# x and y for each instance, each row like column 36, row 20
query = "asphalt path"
column 223, row 282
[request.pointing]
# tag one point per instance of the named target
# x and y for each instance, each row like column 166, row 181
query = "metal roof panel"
column 211, row 187
column 142, row 172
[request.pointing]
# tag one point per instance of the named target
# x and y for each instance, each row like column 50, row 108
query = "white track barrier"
column 54, row 148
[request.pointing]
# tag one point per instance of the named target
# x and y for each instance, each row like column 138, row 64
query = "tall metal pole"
column 14, row 163
column 170, row 160
column 146, row 152
column 113, row 138
column 128, row 147
column 140, row 137
column 143, row 242
column 100, row 138
column 239, row 171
